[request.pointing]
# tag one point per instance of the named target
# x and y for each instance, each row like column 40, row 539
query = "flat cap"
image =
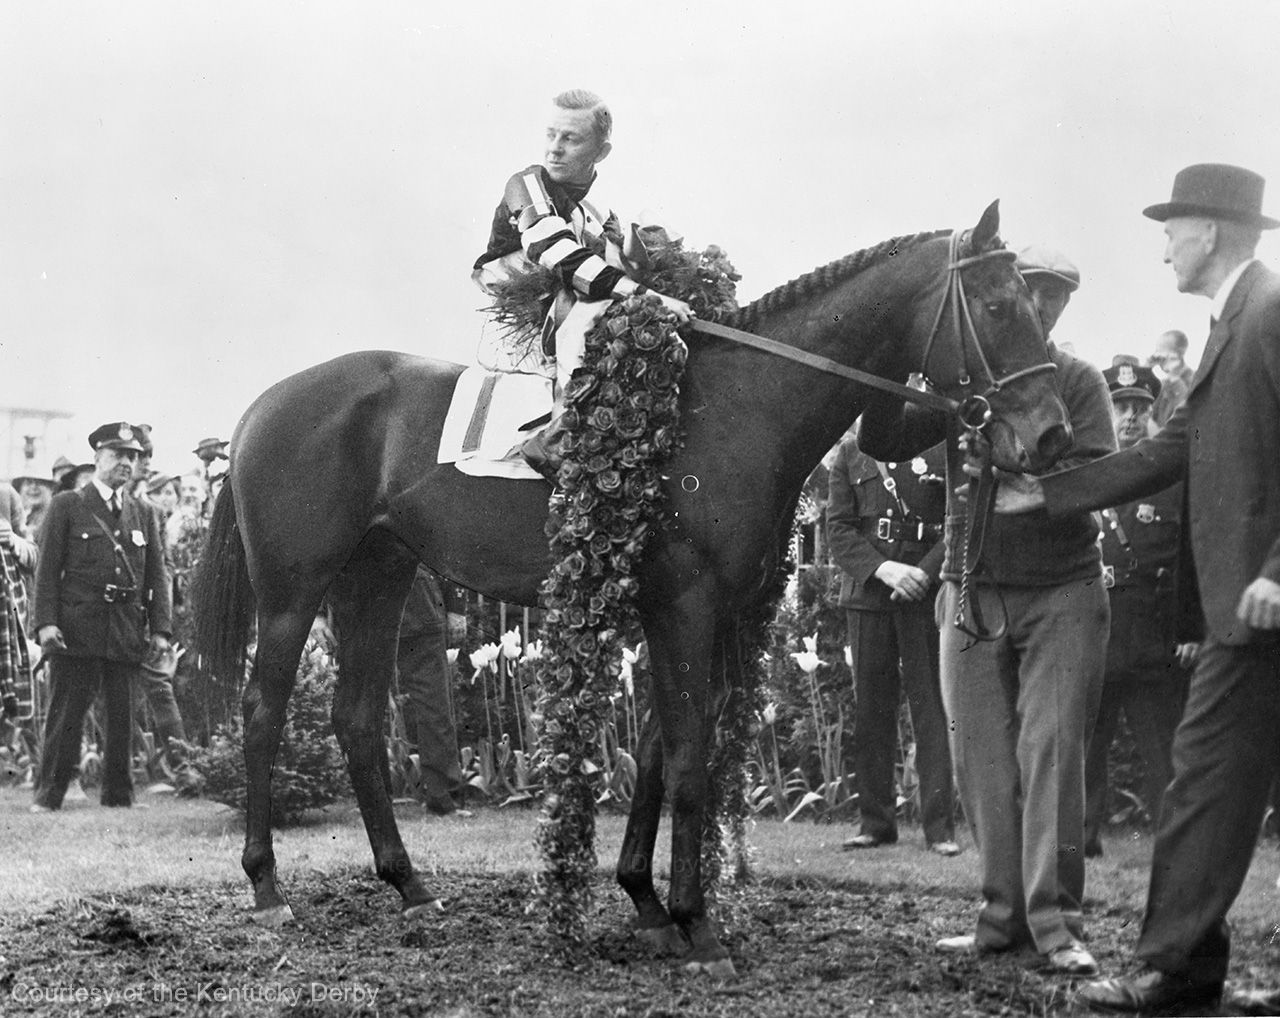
column 1038, row 260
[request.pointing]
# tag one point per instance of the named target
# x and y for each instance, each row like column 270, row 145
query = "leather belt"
column 887, row 528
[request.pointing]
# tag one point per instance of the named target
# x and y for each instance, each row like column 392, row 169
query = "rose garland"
column 621, row 424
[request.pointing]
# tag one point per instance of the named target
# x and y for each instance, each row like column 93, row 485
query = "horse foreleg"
column 280, row 640
column 681, row 646
column 368, row 599
column 635, row 860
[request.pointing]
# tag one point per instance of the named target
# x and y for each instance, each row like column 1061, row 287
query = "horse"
column 335, row 492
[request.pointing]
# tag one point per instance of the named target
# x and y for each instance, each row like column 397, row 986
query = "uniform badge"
column 125, row 433
column 139, row 538
column 1126, row 376
column 919, row 467
column 1146, row 513
column 1108, row 576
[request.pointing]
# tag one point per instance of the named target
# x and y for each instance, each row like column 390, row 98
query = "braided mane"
column 825, row 277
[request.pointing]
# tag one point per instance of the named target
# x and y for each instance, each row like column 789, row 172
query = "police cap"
column 1132, row 381
column 118, row 435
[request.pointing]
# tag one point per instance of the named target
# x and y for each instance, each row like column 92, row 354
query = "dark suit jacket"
column 1225, row 442
column 78, row 560
column 856, row 497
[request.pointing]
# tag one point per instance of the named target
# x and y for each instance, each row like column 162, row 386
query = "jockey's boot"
column 541, row 450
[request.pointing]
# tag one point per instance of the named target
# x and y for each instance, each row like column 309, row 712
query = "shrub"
column 310, row 771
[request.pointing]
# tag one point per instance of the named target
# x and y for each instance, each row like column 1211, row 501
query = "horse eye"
column 998, row 309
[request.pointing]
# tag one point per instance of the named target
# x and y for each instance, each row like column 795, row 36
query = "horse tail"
column 223, row 599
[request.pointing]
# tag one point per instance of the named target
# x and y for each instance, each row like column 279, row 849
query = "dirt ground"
column 801, row 948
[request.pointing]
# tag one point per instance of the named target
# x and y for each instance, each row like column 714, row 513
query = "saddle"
column 489, row 418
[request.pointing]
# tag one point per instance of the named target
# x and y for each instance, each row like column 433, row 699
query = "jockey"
column 545, row 218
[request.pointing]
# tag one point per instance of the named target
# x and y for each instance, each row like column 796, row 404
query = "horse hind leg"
column 282, row 633
column 368, row 599
column 654, row 926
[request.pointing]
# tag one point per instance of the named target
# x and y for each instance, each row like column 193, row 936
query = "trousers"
column 878, row 641
column 1019, row 709
column 74, row 681
column 1225, row 753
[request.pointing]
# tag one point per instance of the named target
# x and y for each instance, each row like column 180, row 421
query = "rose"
column 580, row 527
column 629, row 458
column 597, row 605
column 592, row 442
column 631, row 423
column 585, row 644
column 637, row 368
column 597, row 463
column 617, row 326
column 584, row 500
column 620, row 562
column 633, row 487
column 619, row 348
column 602, row 418
column 610, row 394
column 664, row 440
column 570, row 471
column 581, row 385
column 571, row 420
column 600, row 545
column 647, row 339
column 609, row 481
column 576, row 563
column 658, row 379
column 575, row 617
column 611, row 592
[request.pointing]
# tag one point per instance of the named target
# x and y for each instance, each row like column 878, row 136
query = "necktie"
column 115, row 506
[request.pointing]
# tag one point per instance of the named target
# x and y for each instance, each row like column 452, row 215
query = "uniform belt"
column 113, row 594
column 887, row 528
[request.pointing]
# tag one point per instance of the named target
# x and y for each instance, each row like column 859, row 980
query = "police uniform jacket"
column 1140, row 555
column 107, row 592
column 866, row 524
column 1223, row 442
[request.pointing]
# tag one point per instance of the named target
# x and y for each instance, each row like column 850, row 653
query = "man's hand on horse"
column 679, row 308
column 1260, row 604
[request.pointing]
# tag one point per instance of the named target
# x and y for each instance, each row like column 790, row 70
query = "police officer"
column 103, row 602
column 884, row 526
column 1146, row 676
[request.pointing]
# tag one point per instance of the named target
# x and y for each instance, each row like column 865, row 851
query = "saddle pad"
column 483, row 428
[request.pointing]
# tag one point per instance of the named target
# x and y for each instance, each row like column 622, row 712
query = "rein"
column 973, row 412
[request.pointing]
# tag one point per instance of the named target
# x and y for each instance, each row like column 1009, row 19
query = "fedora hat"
column 210, row 449
column 1039, row 260
column 1216, row 191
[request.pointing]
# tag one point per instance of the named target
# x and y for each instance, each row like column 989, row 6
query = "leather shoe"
column 1072, row 959
column 1149, row 990
column 947, row 848
column 866, row 841
column 1261, row 1002
column 968, row 944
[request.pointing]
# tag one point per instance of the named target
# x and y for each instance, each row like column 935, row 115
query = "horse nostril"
column 1053, row 443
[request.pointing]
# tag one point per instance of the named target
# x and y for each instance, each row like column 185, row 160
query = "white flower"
column 848, row 657
column 533, row 650
column 810, row 643
column 808, row 661
column 485, row 657
column 511, row 644
column 770, row 713
column 451, row 655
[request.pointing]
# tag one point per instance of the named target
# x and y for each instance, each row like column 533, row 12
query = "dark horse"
column 335, row 491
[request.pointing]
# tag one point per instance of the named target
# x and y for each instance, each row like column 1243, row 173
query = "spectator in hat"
column 61, row 466
column 1221, row 443
column 1019, row 701
column 1169, row 357
column 1152, row 641
column 17, row 560
column 102, row 605
column 210, row 450
column 77, row 477
column 162, row 492
column 36, row 492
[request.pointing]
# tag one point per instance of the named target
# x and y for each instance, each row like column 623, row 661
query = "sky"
column 198, row 199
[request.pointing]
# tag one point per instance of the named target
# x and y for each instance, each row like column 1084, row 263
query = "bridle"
column 972, row 410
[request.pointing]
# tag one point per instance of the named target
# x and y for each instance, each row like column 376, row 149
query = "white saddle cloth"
column 489, row 419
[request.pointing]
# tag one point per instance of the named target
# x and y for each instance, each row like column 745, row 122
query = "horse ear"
column 988, row 229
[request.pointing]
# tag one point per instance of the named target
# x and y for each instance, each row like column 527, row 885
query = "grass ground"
column 148, row 897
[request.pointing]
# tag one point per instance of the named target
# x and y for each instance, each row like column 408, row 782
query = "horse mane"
column 825, row 277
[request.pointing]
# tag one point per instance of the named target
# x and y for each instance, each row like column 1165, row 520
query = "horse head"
column 985, row 348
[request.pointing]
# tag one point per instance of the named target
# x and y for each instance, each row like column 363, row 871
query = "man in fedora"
column 1222, row 443
column 102, row 604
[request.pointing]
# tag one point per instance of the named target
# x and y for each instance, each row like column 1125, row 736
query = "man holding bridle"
column 1222, row 442
column 545, row 218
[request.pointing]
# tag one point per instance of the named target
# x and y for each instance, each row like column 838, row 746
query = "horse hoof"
column 665, row 941
column 424, row 908
column 721, row 969
column 273, row 916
